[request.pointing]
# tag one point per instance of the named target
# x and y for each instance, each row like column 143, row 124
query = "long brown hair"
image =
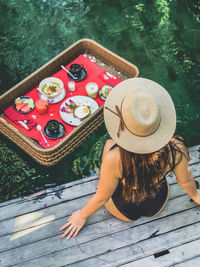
column 142, row 172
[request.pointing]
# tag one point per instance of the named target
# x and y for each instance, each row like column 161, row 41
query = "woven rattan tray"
column 51, row 156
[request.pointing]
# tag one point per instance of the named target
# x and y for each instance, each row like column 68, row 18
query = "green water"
column 161, row 37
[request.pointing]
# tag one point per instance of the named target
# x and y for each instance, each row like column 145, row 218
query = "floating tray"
column 114, row 63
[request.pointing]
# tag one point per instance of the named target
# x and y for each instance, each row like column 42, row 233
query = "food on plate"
column 84, row 102
column 24, row 104
column 77, row 109
column 105, row 90
column 51, row 88
column 81, row 112
column 69, row 108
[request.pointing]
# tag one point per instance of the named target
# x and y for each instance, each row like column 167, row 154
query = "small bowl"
column 53, row 126
column 54, row 129
column 54, row 83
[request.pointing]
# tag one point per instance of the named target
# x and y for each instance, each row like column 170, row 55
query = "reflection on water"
column 161, row 37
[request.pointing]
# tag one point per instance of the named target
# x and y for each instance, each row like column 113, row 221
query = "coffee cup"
column 53, row 126
column 75, row 70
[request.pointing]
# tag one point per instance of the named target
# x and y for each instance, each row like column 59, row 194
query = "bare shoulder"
column 112, row 160
column 112, row 156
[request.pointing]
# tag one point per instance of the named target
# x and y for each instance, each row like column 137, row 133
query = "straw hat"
column 139, row 115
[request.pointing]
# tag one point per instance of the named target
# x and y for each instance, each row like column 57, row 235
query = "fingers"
column 64, row 226
column 67, row 231
column 74, row 223
column 72, row 232
column 77, row 231
column 69, row 218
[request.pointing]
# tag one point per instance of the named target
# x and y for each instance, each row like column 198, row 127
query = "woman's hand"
column 196, row 197
column 73, row 225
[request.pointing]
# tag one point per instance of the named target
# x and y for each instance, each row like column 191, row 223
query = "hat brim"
column 128, row 140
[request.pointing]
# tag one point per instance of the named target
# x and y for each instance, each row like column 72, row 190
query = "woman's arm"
column 107, row 183
column 185, row 178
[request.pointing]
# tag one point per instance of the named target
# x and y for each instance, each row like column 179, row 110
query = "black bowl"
column 54, row 129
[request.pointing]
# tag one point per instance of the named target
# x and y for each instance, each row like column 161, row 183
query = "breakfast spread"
column 68, row 101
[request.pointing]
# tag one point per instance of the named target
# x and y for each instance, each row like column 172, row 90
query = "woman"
column 141, row 119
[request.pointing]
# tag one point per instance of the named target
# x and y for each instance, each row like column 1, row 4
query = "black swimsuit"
column 148, row 207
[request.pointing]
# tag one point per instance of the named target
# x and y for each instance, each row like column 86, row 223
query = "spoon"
column 39, row 128
column 68, row 72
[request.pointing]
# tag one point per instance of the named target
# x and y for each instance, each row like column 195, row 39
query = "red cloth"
column 94, row 74
column 16, row 117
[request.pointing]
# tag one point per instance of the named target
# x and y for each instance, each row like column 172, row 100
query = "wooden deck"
column 29, row 230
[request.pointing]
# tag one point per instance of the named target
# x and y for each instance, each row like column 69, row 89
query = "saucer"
column 78, row 79
column 55, row 136
column 59, row 98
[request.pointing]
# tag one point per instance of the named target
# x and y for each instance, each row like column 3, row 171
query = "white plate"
column 78, row 100
column 59, row 98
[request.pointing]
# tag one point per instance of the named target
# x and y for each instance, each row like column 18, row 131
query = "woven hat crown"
column 140, row 115
column 140, row 112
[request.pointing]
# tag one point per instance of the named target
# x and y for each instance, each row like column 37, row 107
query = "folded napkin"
column 109, row 78
column 16, row 117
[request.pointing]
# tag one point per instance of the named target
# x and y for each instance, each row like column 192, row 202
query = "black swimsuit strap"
column 115, row 145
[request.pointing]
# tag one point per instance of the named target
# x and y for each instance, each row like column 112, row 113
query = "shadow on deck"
column 29, row 230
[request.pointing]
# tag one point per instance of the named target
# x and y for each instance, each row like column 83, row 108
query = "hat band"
column 122, row 124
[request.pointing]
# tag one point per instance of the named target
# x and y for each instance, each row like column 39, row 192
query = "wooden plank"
column 177, row 191
column 195, row 157
column 195, row 170
column 106, row 250
column 106, row 233
column 50, row 190
column 47, row 217
column 175, row 257
column 150, row 246
column 189, row 263
column 49, row 214
column 54, row 207
column 149, row 261
column 181, row 253
column 44, row 230
column 73, row 192
column 51, row 219
column 194, row 148
column 51, row 200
